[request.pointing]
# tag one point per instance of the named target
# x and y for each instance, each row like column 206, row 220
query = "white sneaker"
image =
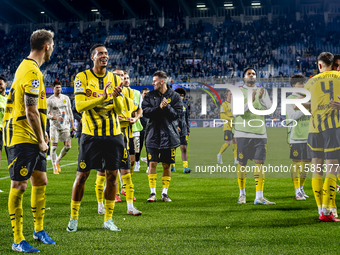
column 144, row 159
column 334, row 212
column 72, row 225
column 101, row 209
column 299, row 196
column 134, row 212
column 235, row 161
column 242, row 199
column 137, row 166
column 303, row 193
column 48, row 157
column 219, row 158
column 263, row 201
column 110, row 225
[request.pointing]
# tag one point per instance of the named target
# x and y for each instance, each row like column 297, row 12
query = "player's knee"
column 53, row 149
column 67, row 148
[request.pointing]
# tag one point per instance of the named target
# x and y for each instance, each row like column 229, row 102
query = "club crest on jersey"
column 35, row 83
column 23, row 171
column 78, row 83
column 169, row 100
column 64, row 101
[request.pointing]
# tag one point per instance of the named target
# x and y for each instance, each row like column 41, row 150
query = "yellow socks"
column 118, row 189
column 165, row 184
column 235, row 150
column 259, row 177
column 224, row 147
column 75, row 209
column 38, row 202
column 185, row 164
column 128, row 187
column 304, row 172
column 100, row 183
column 296, row 175
column 109, row 206
column 152, row 180
column 317, row 189
column 241, row 177
column 172, row 165
column 329, row 188
column 16, row 212
column 132, row 169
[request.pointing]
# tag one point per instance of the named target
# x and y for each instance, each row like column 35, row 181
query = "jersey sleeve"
column 69, row 108
column 32, row 83
column 49, row 113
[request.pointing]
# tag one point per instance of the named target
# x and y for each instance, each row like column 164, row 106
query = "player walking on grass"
column 101, row 144
column 228, row 129
column 324, row 134
column 59, row 111
column 25, row 140
column 162, row 107
column 252, row 141
column 297, row 139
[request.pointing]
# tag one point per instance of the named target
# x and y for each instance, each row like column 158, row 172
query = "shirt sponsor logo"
column 34, row 90
column 42, row 94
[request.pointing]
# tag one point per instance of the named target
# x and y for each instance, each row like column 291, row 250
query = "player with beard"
column 252, row 141
column 25, row 140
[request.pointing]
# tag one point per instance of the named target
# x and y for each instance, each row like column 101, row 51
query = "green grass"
column 203, row 218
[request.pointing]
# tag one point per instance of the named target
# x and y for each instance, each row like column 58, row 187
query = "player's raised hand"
column 105, row 91
column 117, row 90
column 254, row 94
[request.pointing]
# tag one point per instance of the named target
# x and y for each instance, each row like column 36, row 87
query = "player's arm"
column 175, row 109
column 187, row 120
column 293, row 114
column 306, row 105
column 137, row 116
column 265, row 99
column 335, row 104
column 69, row 111
column 149, row 110
column 33, row 117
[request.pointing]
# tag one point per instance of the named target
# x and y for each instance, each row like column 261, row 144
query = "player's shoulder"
column 28, row 69
column 50, row 98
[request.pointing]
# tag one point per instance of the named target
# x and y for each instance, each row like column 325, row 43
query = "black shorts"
column 184, row 140
column 125, row 163
column 251, row 148
column 131, row 146
column 1, row 142
column 298, row 151
column 100, row 152
column 325, row 144
column 23, row 159
column 164, row 155
column 228, row 135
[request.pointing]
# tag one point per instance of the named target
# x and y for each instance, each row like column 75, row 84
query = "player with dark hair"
column 25, row 140
column 324, row 134
column 59, row 112
column 162, row 107
column 97, row 95
column 252, row 141
column 184, row 132
column 228, row 129
column 297, row 124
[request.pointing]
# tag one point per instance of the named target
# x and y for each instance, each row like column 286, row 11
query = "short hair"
column 118, row 69
column 297, row 78
column 55, row 83
column 161, row 75
column 336, row 57
column 39, row 38
column 125, row 72
column 245, row 71
column 181, row 91
column 3, row 78
column 95, row 47
column 327, row 58
column 145, row 89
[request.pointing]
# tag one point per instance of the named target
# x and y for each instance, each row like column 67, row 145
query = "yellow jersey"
column 324, row 87
column 129, row 107
column 28, row 81
column 100, row 117
column 225, row 114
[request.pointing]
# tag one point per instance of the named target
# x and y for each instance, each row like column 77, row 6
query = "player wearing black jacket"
column 162, row 107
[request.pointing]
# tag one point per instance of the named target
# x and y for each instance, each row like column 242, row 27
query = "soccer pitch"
column 203, row 218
